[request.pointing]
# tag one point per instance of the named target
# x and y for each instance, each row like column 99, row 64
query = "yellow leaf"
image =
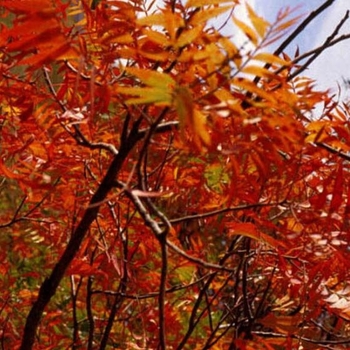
column 122, row 39
column 248, row 31
column 227, row 100
column 232, row 51
column 162, row 56
column 287, row 24
column 259, row 23
column 260, row 72
column 189, row 36
column 156, row 19
column 166, row 19
column 158, row 90
column 160, row 97
column 200, row 133
column 190, row 117
column 152, row 78
column 251, row 87
column 205, row 15
column 184, row 106
column 315, row 130
column 271, row 58
column 156, row 37
column 201, row 3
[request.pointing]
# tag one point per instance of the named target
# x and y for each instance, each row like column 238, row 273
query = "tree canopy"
column 164, row 185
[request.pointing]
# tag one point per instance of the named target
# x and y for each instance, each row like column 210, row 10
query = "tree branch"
column 50, row 284
column 330, row 41
column 333, row 150
column 301, row 27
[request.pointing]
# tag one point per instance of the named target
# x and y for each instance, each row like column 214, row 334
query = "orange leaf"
column 7, row 172
column 205, row 15
column 253, row 88
column 191, row 117
column 199, row 129
column 251, row 231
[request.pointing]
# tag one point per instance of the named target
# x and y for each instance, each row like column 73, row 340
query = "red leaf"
column 337, row 197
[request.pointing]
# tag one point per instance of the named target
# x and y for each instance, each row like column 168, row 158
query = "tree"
column 162, row 187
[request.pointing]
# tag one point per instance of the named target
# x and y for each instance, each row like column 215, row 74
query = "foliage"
column 164, row 187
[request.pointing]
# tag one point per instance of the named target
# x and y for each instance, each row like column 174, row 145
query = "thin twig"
column 49, row 287
column 153, row 294
column 224, row 210
column 162, row 291
column 197, row 261
column 15, row 215
column 301, row 27
column 161, row 235
column 328, row 43
column 77, row 135
column 333, row 150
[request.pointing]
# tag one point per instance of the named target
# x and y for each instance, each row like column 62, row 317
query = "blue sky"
column 333, row 64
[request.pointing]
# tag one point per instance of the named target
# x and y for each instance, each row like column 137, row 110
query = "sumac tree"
column 163, row 187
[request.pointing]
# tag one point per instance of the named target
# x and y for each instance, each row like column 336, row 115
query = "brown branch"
column 161, row 128
column 193, row 321
column 77, row 134
column 245, row 293
column 50, row 284
column 153, row 294
column 333, row 150
column 161, row 235
column 15, row 215
column 25, row 217
column 89, row 313
column 211, row 340
column 224, row 210
column 74, row 296
column 162, row 290
column 197, row 261
column 330, row 41
column 301, row 27
column 116, row 304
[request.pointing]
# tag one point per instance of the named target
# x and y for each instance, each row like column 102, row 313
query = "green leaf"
column 158, row 90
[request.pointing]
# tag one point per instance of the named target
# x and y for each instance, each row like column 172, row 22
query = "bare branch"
column 197, row 261
column 301, row 27
column 224, row 210
column 330, row 41
column 154, row 294
column 333, row 150
column 77, row 135
column 50, row 285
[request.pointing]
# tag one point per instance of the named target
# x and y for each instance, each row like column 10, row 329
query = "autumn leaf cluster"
column 164, row 185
